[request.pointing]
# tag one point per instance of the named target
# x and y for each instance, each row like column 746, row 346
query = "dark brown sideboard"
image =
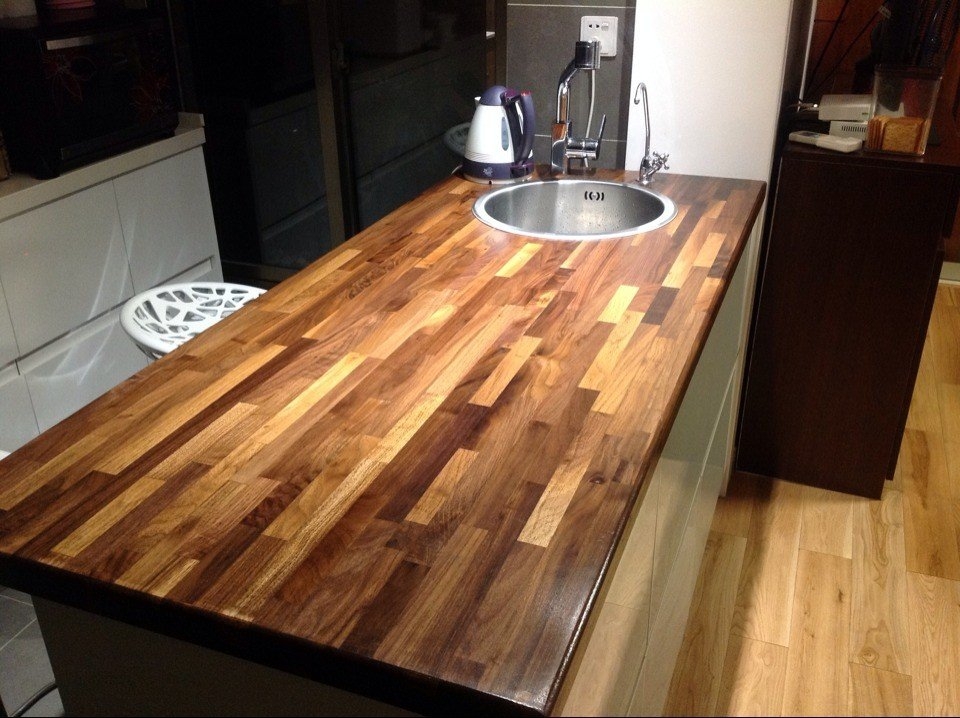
column 848, row 274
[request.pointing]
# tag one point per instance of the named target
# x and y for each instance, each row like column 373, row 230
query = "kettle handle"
column 521, row 102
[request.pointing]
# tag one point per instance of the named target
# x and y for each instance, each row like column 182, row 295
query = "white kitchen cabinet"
column 73, row 249
column 8, row 340
column 167, row 219
column 626, row 659
column 63, row 264
column 75, row 370
column 17, row 422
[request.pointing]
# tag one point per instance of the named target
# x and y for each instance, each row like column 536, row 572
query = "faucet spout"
column 652, row 162
column 564, row 146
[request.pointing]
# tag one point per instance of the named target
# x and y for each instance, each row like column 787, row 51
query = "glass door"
column 322, row 116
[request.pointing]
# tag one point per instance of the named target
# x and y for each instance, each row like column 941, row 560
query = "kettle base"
column 479, row 178
column 487, row 180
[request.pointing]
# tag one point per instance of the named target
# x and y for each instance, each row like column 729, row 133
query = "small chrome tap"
column 564, row 146
column 652, row 162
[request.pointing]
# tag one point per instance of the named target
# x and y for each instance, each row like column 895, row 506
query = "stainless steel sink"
column 574, row 209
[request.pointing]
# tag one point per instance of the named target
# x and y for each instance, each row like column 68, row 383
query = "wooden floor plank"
column 753, row 679
column 878, row 621
column 929, row 535
column 735, row 510
column 945, row 340
column 934, row 605
column 700, row 663
column 819, row 637
column 904, row 628
column 763, row 609
column 827, row 524
column 874, row 692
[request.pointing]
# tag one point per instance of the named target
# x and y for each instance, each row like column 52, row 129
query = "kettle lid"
column 493, row 96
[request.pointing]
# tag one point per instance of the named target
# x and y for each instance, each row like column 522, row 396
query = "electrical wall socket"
column 602, row 28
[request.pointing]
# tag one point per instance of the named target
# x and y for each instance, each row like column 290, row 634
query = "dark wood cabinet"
column 848, row 275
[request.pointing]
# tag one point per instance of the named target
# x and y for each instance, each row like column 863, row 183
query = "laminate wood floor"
column 811, row 602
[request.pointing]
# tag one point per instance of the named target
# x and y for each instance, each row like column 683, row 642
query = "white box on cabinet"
column 166, row 237
column 76, row 369
column 63, row 264
column 17, row 422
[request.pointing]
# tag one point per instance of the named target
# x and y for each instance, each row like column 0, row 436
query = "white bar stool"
column 161, row 319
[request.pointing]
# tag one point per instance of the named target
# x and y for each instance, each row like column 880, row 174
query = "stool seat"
column 161, row 319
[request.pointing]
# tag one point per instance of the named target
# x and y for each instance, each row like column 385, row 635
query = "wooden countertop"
column 404, row 470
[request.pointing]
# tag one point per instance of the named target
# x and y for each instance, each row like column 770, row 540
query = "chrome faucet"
column 565, row 146
column 652, row 162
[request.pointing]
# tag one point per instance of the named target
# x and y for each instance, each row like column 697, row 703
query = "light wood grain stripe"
column 336, row 505
column 519, row 260
column 605, row 363
column 285, row 418
column 715, row 208
column 443, row 250
column 459, row 361
column 222, row 506
column 681, row 267
column 647, row 353
column 576, row 256
column 172, row 419
column 702, row 655
column 165, row 582
column 109, row 515
column 201, row 443
column 442, row 486
column 298, row 512
column 399, row 326
column 505, row 371
column 70, row 456
column 711, row 248
column 553, row 503
column 670, row 229
column 768, row 579
column 618, row 304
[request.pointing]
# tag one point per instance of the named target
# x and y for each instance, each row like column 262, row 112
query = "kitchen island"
column 409, row 472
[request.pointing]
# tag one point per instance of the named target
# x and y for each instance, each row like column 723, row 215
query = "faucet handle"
column 603, row 123
column 661, row 158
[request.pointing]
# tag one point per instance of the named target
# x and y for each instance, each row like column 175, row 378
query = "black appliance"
column 76, row 87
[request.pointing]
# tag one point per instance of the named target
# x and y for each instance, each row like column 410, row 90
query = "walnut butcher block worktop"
column 402, row 471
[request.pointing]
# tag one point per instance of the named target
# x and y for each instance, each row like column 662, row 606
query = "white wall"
column 713, row 70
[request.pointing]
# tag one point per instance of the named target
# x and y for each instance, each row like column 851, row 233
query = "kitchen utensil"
column 500, row 141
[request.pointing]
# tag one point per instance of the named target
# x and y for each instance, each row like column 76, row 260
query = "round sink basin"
column 573, row 209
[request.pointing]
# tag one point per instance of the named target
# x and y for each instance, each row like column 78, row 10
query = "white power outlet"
column 602, row 28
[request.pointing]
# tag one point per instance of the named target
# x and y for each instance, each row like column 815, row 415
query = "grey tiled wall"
column 541, row 35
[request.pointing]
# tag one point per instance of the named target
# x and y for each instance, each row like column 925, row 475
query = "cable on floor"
column 33, row 700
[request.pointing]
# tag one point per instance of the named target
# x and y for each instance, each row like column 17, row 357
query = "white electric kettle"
column 500, row 141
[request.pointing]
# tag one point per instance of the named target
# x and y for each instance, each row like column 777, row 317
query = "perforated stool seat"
column 161, row 319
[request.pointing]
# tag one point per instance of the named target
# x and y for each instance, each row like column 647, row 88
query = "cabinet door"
column 684, row 455
column 78, row 368
column 18, row 424
column 852, row 260
column 63, row 264
column 167, row 218
column 8, row 341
